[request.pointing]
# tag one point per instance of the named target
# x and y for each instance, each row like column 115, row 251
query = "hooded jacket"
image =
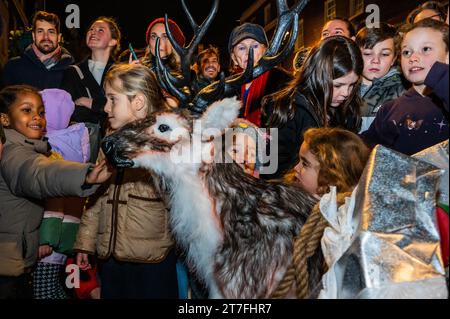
column 72, row 142
column 28, row 69
column 27, row 177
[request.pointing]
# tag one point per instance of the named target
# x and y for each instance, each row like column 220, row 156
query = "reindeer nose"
column 110, row 150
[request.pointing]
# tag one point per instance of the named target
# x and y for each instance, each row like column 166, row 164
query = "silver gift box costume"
column 384, row 242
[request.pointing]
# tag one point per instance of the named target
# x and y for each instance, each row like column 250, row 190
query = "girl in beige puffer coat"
column 127, row 226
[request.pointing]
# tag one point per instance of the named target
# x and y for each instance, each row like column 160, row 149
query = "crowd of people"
column 352, row 90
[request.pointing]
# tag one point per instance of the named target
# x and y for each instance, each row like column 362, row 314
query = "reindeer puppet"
column 237, row 231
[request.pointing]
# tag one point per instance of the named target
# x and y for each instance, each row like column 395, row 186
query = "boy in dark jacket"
column 381, row 80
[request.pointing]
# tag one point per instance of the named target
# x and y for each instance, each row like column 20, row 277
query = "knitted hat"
column 247, row 31
column 174, row 29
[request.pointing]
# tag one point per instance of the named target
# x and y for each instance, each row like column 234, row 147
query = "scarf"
column 49, row 60
column 252, row 98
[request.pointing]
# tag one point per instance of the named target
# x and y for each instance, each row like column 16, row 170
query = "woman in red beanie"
column 156, row 29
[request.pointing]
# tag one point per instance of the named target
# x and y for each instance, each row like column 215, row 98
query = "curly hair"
column 9, row 95
column 342, row 156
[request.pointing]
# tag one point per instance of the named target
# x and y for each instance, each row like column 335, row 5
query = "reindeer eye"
column 163, row 128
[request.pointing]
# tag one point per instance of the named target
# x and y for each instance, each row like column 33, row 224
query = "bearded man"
column 43, row 62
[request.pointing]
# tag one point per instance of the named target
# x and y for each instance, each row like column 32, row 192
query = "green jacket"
column 27, row 178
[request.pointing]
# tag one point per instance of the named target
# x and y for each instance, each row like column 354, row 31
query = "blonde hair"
column 342, row 156
column 135, row 79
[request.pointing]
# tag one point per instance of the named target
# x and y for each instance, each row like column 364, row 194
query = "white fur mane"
column 194, row 216
column 190, row 214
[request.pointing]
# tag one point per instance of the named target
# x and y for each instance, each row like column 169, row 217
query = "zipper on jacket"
column 115, row 212
column 115, row 207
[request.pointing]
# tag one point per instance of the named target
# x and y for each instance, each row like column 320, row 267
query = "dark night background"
column 134, row 16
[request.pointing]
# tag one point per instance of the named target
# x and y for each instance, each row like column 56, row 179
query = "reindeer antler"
column 170, row 82
column 227, row 87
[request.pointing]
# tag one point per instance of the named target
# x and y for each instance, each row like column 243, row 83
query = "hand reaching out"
column 99, row 174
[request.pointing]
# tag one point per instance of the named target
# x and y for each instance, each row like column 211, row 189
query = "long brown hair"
column 332, row 58
column 342, row 156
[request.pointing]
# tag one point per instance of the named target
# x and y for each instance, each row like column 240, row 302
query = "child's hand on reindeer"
column 100, row 173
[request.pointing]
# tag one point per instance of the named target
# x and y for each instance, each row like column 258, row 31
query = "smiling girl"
column 27, row 177
column 416, row 120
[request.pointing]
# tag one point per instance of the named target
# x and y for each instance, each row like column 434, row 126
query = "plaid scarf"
column 49, row 60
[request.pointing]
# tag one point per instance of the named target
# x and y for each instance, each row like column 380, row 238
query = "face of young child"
column 243, row 152
column 307, row 170
column 27, row 116
column 420, row 49
column 99, row 36
column 343, row 88
column 118, row 107
column 378, row 60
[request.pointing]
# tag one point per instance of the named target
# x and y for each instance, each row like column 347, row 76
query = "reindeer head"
column 167, row 140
